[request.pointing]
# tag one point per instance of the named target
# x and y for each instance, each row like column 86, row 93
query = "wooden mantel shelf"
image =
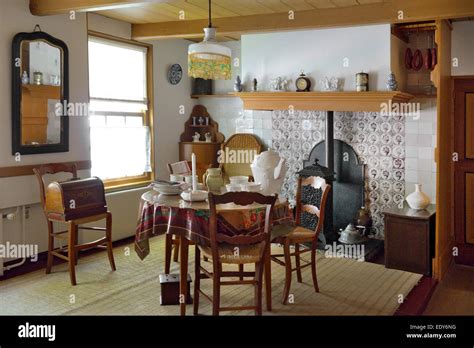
column 330, row 101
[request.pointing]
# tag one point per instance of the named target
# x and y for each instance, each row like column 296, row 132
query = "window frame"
column 118, row 184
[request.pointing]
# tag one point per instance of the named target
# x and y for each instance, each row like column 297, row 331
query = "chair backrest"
column 179, row 168
column 52, row 168
column 318, row 184
column 260, row 235
column 240, row 148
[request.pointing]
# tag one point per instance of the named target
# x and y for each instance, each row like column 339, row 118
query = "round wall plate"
column 175, row 73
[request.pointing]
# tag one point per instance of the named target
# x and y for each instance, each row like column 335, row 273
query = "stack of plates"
column 168, row 188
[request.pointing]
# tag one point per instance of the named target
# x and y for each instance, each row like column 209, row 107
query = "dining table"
column 172, row 216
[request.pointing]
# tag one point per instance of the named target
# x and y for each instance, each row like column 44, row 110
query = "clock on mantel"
column 303, row 83
column 206, row 152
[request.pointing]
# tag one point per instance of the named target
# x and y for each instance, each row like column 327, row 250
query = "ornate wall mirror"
column 40, row 90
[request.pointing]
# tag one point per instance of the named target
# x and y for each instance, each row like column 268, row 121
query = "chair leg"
column 168, row 250
column 176, row 250
column 216, row 287
column 108, row 235
column 76, row 253
column 286, row 291
column 313, row 269
column 197, row 280
column 298, row 263
column 258, row 287
column 49, row 263
column 72, row 252
column 241, row 271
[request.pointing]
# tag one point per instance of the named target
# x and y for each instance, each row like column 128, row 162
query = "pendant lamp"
column 207, row 59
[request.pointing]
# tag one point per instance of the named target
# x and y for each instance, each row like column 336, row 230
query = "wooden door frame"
column 441, row 77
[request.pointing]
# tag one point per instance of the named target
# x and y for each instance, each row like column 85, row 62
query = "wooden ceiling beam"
column 370, row 13
column 53, row 7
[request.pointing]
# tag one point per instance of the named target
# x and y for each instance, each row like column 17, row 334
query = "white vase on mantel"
column 418, row 200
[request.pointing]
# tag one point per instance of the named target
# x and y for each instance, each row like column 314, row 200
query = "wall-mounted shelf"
column 334, row 101
column 228, row 95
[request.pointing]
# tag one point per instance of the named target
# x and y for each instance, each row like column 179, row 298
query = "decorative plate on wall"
column 175, row 73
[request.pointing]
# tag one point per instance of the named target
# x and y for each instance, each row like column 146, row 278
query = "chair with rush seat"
column 300, row 235
column 74, row 225
column 250, row 247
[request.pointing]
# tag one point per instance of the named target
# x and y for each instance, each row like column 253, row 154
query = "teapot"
column 269, row 169
column 351, row 235
column 213, row 179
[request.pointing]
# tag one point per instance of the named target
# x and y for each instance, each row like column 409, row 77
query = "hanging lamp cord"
column 210, row 19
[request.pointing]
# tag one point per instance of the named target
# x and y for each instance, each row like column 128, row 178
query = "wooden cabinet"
column 200, row 122
column 206, row 155
column 409, row 239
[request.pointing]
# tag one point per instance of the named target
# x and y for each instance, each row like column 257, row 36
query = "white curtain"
column 120, row 151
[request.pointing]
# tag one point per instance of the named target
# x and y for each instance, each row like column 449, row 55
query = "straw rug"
column 347, row 287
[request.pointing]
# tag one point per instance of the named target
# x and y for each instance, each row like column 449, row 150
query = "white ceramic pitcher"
column 269, row 170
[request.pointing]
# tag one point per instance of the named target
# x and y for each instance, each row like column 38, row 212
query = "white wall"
column 168, row 122
column 319, row 53
column 462, row 48
column 15, row 17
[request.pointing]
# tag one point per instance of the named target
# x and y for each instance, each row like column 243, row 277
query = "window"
column 120, row 125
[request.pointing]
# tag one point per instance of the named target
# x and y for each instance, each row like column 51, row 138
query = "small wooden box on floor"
column 409, row 239
column 170, row 289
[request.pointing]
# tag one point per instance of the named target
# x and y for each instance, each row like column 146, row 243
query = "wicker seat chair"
column 243, row 148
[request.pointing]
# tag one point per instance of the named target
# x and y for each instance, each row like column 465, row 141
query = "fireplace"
column 375, row 142
column 347, row 186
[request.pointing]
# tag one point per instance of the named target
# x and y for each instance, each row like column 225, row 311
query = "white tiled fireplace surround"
column 411, row 145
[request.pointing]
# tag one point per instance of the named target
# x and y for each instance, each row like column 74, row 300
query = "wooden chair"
column 300, row 235
column 74, row 226
column 238, row 142
column 179, row 168
column 251, row 249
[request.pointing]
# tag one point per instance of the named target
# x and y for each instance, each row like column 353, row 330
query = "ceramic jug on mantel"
column 269, row 170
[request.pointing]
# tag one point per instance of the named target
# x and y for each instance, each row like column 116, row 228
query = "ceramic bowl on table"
column 239, row 179
column 250, row 187
column 176, row 177
column 194, row 196
column 169, row 189
column 233, row 188
column 189, row 179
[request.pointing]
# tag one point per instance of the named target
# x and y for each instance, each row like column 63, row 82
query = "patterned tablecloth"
column 161, row 214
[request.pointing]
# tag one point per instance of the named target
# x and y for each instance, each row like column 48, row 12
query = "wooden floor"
column 454, row 295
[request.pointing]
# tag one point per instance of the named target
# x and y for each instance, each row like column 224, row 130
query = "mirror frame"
column 17, row 146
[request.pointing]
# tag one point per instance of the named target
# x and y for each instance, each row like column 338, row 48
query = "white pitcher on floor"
column 269, row 170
